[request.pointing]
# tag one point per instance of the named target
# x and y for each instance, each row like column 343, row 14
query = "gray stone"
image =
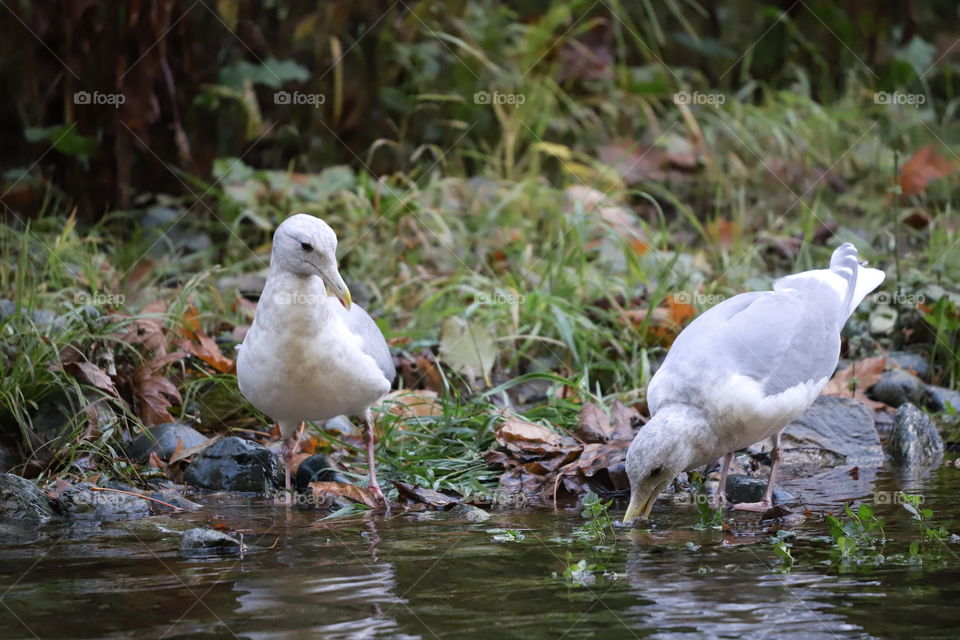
column 84, row 501
column 939, row 397
column 172, row 497
column 162, row 440
column 470, row 512
column 898, row 386
column 914, row 440
column 317, row 468
column 831, row 432
column 235, row 464
column 742, row 488
column 910, row 360
column 207, row 542
column 21, row 499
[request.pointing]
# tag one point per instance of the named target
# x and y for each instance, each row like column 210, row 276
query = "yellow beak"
column 639, row 507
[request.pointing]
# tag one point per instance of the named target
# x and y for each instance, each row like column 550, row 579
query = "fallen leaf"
column 723, row 232
column 523, row 437
column 923, row 167
column 155, row 394
column 430, row 497
column 326, row 492
column 622, row 421
column 93, row 375
column 202, row 346
column 863, row 374
column 179, row 453
column 594, row 424
column 407, row 403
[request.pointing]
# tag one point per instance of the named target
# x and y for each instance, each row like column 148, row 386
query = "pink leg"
column 372, row 461
column 720, row 497
column 288, row 451
column 775, row 454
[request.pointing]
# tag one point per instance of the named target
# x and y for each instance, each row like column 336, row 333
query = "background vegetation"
column 518, row 178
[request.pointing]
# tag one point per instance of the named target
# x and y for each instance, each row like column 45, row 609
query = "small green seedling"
column 782, row 546
column 860, row 530
column 599, row 523
column 922, row 517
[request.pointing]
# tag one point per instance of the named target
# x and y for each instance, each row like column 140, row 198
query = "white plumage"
column 310, row 353
column 742, row 371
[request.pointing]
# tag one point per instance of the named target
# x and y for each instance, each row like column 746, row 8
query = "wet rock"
column 742, row 488
column 470, row 513
column 914, row 440
column 172, row 497
column 207, row 542
column 235, row 464
column 939, row 397
column 40, row 317
column 20, row 499
column 82, row 500
column 316, row 468
column 162, row 440
column 831, row 432
column 898, row 386
column 911, row 361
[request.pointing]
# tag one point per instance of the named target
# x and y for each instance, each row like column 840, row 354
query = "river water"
column 433, row 576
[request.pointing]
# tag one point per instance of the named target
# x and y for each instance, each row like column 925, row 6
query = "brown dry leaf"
column 594, row 424
column 430, row 497
column 622, row 419
column 149, row 331
column 925, row 166
column 91, row 374
column 59, row 485
column 154, row 392
column 407, row 403
column 865, row 373
column 326, row 491
column 597, row 457
column 155, row 461
column 530, row 439
column 179, row 453
column 723, row 232
column 202, row 346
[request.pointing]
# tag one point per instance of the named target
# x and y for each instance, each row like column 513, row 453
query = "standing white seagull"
column 306, row 355
column 741, row 372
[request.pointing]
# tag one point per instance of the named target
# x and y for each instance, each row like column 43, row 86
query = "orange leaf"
column 864, row 374
column 206, row 348
column 191, row 318
column 925, row 165
column 680, row 312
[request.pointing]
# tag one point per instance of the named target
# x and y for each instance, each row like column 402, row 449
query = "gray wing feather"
column 779, row 339
column 374, row 344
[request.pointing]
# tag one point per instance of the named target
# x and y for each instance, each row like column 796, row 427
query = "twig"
column 139, row 495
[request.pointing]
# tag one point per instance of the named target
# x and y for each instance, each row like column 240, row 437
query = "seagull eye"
column 656, row 471
column 306, row 246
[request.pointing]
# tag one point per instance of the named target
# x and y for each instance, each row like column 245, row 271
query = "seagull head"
column 661, row 449
column 305, row 246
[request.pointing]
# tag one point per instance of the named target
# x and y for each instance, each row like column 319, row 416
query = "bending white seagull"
column 741, row 372
column 306, row 356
